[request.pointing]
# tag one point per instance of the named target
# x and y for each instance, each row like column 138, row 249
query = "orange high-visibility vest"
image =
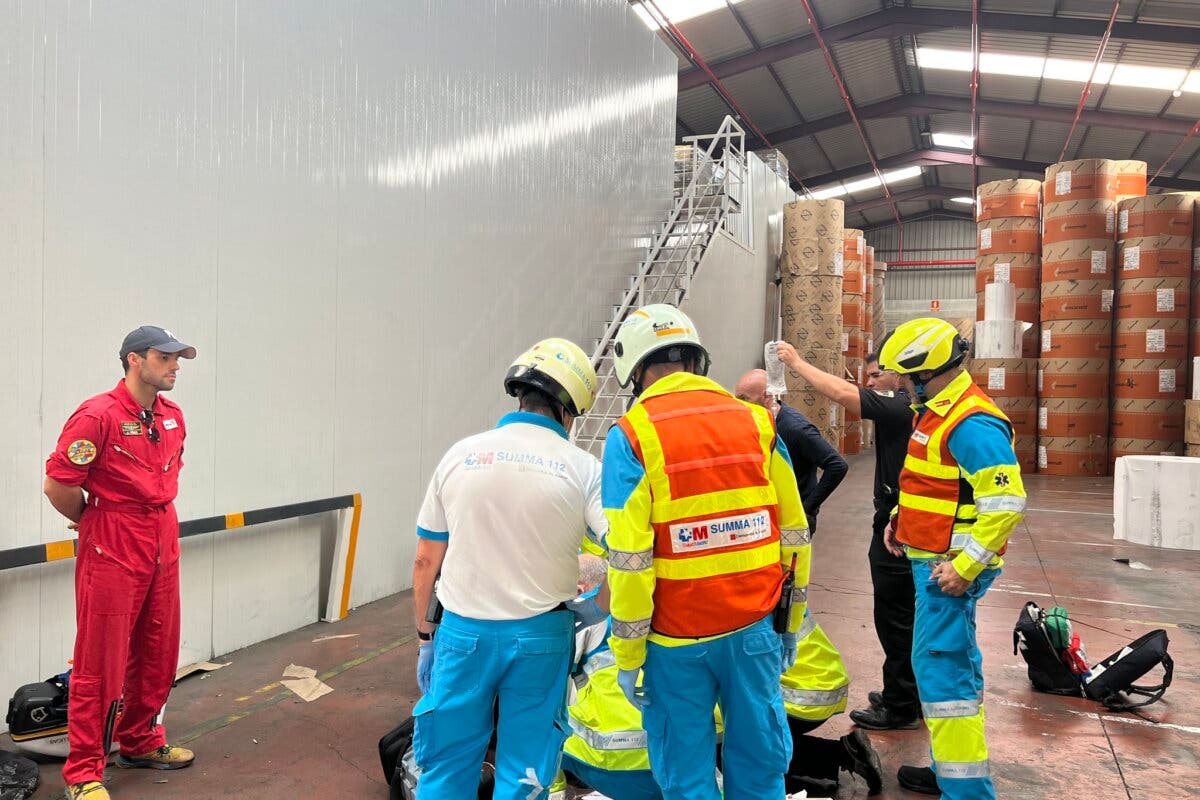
column 713, row 452
column 935, row 500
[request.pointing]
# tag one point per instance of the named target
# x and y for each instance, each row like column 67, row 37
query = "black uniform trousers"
column 895, row 604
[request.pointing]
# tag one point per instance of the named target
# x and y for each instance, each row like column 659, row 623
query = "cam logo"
column 692, row 536
column 480, row 459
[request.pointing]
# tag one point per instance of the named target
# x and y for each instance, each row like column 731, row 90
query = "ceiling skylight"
column 678, row 11
column 1063, row 69
column 960, row 141
column 870, row 182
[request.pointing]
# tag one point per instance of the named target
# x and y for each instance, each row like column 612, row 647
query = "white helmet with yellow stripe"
column 559, row 369
column 653, row 329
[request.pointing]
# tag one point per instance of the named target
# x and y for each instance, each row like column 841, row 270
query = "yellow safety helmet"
column 558, row 368
column 651, row 329
column 923, row 345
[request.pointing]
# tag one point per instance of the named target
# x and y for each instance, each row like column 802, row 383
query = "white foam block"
column 1155, row 499
column 999, row 301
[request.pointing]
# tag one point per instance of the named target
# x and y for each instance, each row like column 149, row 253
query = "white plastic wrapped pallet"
column 1154, row 501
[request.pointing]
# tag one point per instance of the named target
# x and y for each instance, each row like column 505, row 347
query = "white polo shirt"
column 513, row 504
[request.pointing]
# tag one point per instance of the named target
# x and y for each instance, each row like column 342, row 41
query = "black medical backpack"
column 1047, row 670
column 1110, row 681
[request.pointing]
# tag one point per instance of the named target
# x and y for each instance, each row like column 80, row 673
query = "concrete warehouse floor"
column 254, row 738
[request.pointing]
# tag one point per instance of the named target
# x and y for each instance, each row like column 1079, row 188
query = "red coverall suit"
column 126, row 573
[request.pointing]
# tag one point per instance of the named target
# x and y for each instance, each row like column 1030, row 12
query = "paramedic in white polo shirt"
column 503, row 521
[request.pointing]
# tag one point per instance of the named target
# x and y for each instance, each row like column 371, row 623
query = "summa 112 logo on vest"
column 721, row 532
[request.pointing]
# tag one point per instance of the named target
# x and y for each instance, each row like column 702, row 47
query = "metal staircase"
column 710, row 183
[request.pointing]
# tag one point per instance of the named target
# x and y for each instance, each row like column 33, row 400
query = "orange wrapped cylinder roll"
column 1073, row 455
column 1077, row 338
column 1149, row 379
column 1077, row 378
column 1008, row 235
column 1019, row 197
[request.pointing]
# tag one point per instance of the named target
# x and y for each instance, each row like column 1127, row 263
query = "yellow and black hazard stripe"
column 64, row 549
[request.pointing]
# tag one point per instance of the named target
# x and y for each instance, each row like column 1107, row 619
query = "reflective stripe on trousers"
column 949, row 670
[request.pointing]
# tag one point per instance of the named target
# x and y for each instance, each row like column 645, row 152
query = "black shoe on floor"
column 882, row 718
column 875, row 699
column 864, row 761
column 919, row 779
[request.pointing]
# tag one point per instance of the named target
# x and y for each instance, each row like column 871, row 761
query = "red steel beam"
column 1087, row 87
column 726, row 95
column 938, row 262
column 862, row 133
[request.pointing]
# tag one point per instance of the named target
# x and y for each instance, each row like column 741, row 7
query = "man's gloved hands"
column 788, row 642
column 424, row 666
column 627, row 679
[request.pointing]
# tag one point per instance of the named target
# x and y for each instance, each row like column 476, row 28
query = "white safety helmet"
column 652, row 329
column 558, row 368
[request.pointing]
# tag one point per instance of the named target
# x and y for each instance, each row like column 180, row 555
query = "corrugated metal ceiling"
column 870, row 70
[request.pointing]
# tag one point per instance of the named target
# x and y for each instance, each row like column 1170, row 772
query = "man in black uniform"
column 883, row 402
column 805, row 444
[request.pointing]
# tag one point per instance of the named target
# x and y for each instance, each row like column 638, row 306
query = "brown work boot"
column 166, row 757
column 88, row 790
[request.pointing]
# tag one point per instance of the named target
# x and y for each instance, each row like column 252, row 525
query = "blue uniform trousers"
column 683, row 684
column 520, row 664
column 949, row 670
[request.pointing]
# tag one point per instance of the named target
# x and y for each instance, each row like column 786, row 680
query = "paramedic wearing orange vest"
column 961, row 497
column 704, row 519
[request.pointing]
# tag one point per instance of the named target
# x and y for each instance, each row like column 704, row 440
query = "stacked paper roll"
column 812, row 272
column 1154, row 250
column 878, row 292
column 868, row 427
column 1011, row 383
column 1079, row 222
column 1194, row 321
column 854, row 255
column 1009, row 247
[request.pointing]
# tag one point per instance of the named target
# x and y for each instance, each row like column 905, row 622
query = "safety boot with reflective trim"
column 166, row 757
column 88, row 790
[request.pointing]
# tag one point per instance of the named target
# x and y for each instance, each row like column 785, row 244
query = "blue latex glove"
column 424, row 666
column 627, row 679
column 788, row 642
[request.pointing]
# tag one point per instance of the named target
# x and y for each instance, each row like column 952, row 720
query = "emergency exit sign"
column 935, row 305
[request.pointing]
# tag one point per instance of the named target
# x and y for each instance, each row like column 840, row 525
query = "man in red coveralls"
column 114, row 474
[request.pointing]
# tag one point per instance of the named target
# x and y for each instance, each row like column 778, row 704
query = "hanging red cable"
column 682, row 42
column 1087, row 87
column 1167, row 160
column 858, row 126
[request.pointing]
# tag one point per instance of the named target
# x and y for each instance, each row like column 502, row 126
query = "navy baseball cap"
column 148, row 336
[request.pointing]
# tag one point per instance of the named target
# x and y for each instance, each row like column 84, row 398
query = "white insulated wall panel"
column 358, row 213
column 732, row 300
